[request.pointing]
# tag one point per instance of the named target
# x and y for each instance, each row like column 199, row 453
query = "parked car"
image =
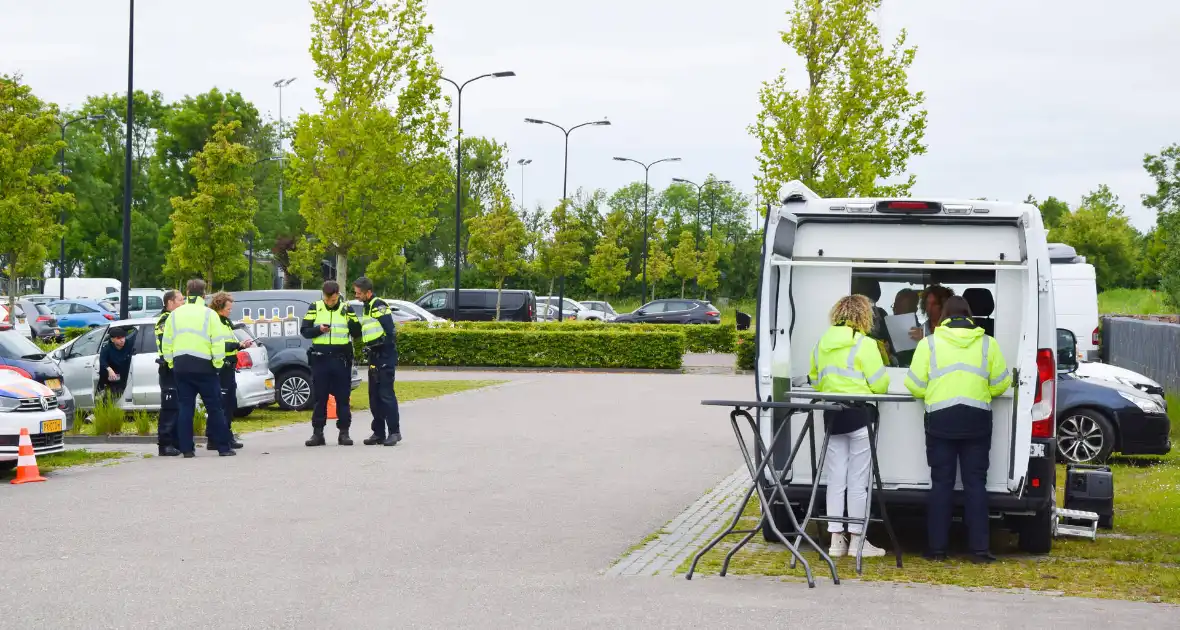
column 27, row 404
column 546, row 313
column 423, row 314
column 42, row 322
column 83, row 313
column 78, row 361
column 1106, row 372
column 673, row 311
column 273, row 317
column 480, row 304
column 1096, row 418
column 40, row 298
column 18, row 354
column 399, row 315
column 602, row 307
column 140, row 302
column 581, row 311
column 18, row 323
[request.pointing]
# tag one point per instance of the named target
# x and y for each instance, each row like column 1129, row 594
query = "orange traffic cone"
column 331, row 407
column 26, row 461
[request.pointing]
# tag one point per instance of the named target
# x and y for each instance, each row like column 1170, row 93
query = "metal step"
column 1075, row 523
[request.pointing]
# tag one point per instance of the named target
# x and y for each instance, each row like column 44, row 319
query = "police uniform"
column 166, row 438
column 228, row 375
column 330, row 357
column 195, row 352
column 380, row 339
column 957, row 371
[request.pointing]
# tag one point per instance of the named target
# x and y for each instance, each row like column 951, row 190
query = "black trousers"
column 970, row 456
column 331, row 375
column 383, row 401
column 228, row 375
column 205, row 384
column 166, row 430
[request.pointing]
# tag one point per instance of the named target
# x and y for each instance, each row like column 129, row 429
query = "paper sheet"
column 899, row 331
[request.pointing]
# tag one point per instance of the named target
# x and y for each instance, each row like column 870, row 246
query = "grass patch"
column 1133, row 302
column 67, row 459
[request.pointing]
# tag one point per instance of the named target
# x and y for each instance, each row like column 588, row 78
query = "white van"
column 84, row 288
column 1075, row 296
column 995, row 255
column 140, row 302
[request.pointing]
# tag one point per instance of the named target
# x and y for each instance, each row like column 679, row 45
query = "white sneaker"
column 839, row 547
column 869, row 550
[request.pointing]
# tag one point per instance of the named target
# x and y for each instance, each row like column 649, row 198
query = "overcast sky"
column 1049, row 97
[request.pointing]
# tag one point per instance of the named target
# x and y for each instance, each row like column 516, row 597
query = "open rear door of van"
column 1024, row 372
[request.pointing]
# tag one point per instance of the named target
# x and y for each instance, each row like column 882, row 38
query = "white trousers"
column 847, row 466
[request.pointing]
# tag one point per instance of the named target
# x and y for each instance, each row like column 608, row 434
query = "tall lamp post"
column 564, row 190
column 646, row 173
column 127, row 163
column 281, row 83
column 61, row 260
column 273, row 158
column 711, row 205
column 522, row 162
column 459, row 170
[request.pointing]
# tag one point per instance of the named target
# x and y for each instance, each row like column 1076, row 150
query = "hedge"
column 745, row 350
column 499, row 347
column 698, row 338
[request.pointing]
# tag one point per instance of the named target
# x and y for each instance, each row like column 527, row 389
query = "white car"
column 576, row 310
column 1104, row 372
column 27, row 404
column 410, row 307
column 21, row 325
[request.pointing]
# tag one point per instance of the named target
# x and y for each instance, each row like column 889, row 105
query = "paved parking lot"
column 504, row 508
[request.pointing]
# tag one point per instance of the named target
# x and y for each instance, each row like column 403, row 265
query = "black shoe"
column 935, row 556
column 189, row 454
column 317, row 438
column 209, row 446
column 983, row 558
column 344, row 440
column 374, row 439
column 227, row 453
column 169, row 451
column 234, row 443
column 393, row 439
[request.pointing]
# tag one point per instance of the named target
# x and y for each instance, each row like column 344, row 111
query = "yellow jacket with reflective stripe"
column 847, row 362
column 371, row 330
column 191, row 340
column 958, row 365
column 337, row 319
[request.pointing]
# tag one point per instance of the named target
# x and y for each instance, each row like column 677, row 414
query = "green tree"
column 562, row 252
column 498, row 241
column 709, row 277
column 608, row 263
column 685, row 261
column 208, row 227
column 856, row 123
column 1053, row 211
column 1164, row 168
column 30, row 199
column 659, row 263
column 1100, row 231
column 369, row 178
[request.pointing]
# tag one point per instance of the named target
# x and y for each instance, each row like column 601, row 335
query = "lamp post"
column 697, row 239
column 127, row 163
column 459, row 170
column 522, row 162
column 281, row 83
column 646, row 173
column 250, row 276
column 61, row 260
column 564, row 190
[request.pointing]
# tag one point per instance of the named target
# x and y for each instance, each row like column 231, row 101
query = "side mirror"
column 1067, row 351
column 641, row 312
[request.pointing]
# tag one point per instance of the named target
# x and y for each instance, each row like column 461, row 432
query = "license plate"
column 1036, row 450
column 270, row 384
column 20, row 320
column 53, row 383
column 51, row 426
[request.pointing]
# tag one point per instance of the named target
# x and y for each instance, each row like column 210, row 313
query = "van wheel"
column 1036, row 531
column 1085, row 436
column 293, row 392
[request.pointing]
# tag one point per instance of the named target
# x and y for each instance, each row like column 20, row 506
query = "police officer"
column 380, row 340
column 957, row 371
column 195, row 352
column 222, row 303
column 329, row 323
column 166, row 437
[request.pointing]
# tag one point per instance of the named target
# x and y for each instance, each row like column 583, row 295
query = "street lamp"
column 61, row 260
column 564, row 187
column 522, row 162
column 281, row 83
column 713, row 203
column 273, row 158
column 646, row 172
column 459, row 169
column 127, row 164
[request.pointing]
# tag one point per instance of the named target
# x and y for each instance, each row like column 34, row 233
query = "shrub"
column 744, row 347
column 698, row 338
column 108, row 417
column 499, row 347
column 143, row 422
column 79, row 422
column 199, row 421
column 73, row 333
column 710, row 337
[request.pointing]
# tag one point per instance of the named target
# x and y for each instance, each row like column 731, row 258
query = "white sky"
column 1050, row 97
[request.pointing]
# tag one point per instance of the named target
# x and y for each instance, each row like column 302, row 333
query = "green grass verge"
column 1133, row 302
column 66, row 459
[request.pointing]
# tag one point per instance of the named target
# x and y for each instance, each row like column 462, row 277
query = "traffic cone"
column 26, row 461
column 331, row 407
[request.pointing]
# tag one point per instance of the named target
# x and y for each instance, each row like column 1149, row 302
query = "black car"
column 673, row 311
column 22, row 356
column 42, row 321
column 479, row 305
column 1096, row 418
column 273, row 318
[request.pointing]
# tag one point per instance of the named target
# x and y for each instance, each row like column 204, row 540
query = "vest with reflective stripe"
column 855, row 369
column 189, row 332
column 225, row 335
column 946, row 374
column 371, row 330
column 337, row 320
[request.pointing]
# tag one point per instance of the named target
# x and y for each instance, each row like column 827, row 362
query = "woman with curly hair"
column 846, row 360
column 933, row 299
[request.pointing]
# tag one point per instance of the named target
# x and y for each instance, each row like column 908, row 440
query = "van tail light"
column 1094, row 336
column 1044, row 423
column 109, row 316
column 531, row 316
column 13, row 368
column 244, row 360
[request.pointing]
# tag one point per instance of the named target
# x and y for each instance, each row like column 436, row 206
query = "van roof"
column 802, row 201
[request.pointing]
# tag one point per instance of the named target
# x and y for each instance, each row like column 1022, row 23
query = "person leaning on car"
column 166, row 438
column 114, row 363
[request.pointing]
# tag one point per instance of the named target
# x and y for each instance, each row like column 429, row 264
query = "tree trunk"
column 682, row 281
column 550, row 293
column 12, row 289
column 341, row 269
column 499, row 291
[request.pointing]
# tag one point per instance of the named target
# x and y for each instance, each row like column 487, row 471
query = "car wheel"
column 1037, row 531
column 294, row 391
column 242, row 412
column 1085, row 436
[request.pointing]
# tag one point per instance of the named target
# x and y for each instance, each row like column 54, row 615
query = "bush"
column 698, row 338
column 143, row 422
column 710, row 338
column 745, row 346
column 108, row 417
column 74, row 333
column 200, row 420
column 494, row 346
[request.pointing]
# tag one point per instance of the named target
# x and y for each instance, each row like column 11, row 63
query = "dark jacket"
column 117, row 359
column 231, row 347
column 383, row 352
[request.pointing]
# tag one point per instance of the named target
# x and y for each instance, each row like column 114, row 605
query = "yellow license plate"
column 51, row 426
column 270, row 384
column 53, row 383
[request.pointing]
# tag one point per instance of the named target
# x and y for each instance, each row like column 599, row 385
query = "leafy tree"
column 659, row 264
column 30, row 199
column 1164, row 168
column 856, row 123
column 709, row 277
column 685, row 261
column 208, row 227
column 1053, row 211
column 562, row 253
column 498, row 241
column 1100, row 231
column 608, row 263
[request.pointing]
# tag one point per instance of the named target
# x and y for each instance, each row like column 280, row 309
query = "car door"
column 79, row 366
column 652, row 312
column 678, row 312
column 435, row 303
column 61, row 311
column 143, row 383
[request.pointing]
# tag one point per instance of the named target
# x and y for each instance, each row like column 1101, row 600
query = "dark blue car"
column 83, row 313
column 1096, row 418
column 23, row 357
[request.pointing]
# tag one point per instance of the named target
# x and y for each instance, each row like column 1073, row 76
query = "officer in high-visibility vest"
column 957, row 372
column 166, row 437
column 380, row 339
column 848, row 361
column 222, row 303
column 195, row 352
column 330, row 323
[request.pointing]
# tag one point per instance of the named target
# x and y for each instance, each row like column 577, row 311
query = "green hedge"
column 745, row 350
column 499, row 347
column 74, row 333
column 710, row 337
column 698, row 338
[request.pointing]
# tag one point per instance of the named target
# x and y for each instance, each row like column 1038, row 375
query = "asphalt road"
column 501, row 510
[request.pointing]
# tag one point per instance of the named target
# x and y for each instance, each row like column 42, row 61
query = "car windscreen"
column 107, row 305
column 14, row 346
